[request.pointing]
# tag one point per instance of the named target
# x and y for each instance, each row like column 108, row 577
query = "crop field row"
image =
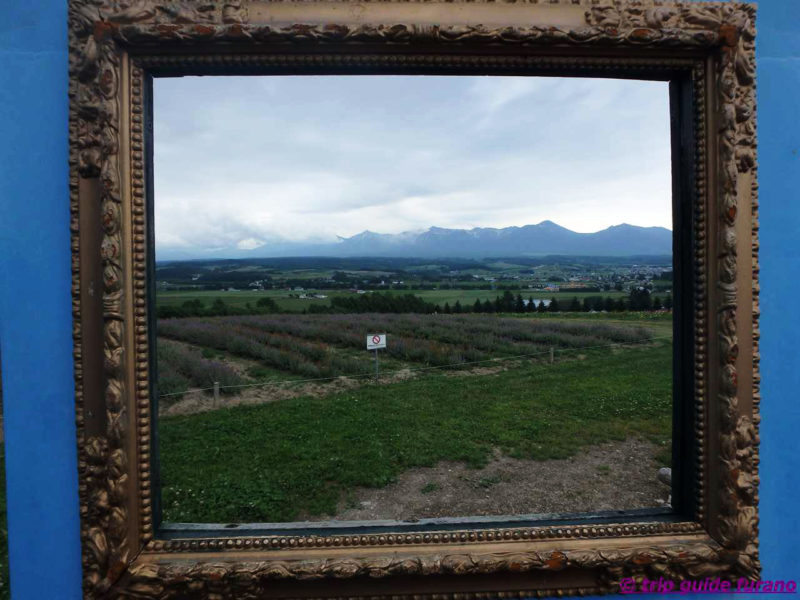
column 319, row 346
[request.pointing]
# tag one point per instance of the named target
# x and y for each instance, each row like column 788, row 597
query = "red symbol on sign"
column 376, row 339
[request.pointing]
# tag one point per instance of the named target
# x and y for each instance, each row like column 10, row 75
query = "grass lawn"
column 278, row 462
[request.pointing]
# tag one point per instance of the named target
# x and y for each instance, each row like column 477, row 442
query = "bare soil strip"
column 612, row 476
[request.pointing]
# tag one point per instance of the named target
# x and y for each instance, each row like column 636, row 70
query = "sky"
column 240, row 162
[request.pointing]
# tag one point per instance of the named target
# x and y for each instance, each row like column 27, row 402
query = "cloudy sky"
column 245, row 161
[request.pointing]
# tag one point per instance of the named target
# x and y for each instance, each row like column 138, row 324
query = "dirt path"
column 612, row 476
column 197, row 402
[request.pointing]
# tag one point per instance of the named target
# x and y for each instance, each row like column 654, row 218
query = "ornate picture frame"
column 706, row 47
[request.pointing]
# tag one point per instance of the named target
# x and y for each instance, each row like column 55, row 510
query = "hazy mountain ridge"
column 545, row 238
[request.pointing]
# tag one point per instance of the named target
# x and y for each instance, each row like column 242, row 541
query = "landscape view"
column 526, row 366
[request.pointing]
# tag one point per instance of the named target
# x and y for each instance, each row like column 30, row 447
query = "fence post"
column 216, row 394
column 552, row 354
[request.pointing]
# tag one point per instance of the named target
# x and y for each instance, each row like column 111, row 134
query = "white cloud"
column 243, row 161
column 494, row 93
column 250, row 243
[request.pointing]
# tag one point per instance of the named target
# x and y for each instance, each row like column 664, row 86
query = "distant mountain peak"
column 541, row 239
column 546, row 237
column 364, row 234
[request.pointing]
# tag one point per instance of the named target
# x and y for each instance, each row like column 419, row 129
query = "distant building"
column 535, row 302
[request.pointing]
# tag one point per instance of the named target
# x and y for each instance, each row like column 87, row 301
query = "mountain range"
column 545, row 238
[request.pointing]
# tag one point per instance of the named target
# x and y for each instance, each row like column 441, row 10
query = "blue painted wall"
column 778, row 55
column 35, row 308
column 35, row 321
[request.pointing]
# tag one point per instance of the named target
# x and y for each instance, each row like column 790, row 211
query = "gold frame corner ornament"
column 115, row 46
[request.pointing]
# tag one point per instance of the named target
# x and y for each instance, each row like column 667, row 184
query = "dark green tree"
column 587, row 304
column 477, row 307
column 668, row 301
column 541, row 308
column 192, row 308
column 267, row 303
column 195, row 304
column 219, row 307
column 519, row 304
column 553, row 305
column 639, row 299
column 457, row 308
column 508, row 302
column 574, row 305
column 446, row 308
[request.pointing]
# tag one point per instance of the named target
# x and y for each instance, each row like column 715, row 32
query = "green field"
column 276, row 462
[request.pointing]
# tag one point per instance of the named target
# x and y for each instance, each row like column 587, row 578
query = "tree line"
column 218, row 308
column 639, row 299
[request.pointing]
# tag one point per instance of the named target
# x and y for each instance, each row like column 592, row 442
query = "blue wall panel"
column 35, row 327
column 778, row 55
column 35, row 310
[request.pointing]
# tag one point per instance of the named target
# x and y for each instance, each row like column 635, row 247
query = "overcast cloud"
column 242, row 161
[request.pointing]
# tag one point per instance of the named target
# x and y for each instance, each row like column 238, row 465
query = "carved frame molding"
column 113, row 48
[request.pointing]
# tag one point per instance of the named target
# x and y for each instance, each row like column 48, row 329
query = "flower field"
column 322, row 346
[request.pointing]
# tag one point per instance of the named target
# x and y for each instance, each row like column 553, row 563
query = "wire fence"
column 389, row 373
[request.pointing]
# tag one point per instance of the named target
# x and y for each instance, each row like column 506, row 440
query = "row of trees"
column 375, row 302
column 218, row 308
column 639, row 300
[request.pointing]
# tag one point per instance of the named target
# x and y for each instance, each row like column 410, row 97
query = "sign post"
column 374, row 342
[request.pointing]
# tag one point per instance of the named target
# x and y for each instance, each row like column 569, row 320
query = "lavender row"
column 279, row 352
column 180, row 368
column 309, row 345
column 478, row 336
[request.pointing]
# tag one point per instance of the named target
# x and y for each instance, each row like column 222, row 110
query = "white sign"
column 376, row 340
